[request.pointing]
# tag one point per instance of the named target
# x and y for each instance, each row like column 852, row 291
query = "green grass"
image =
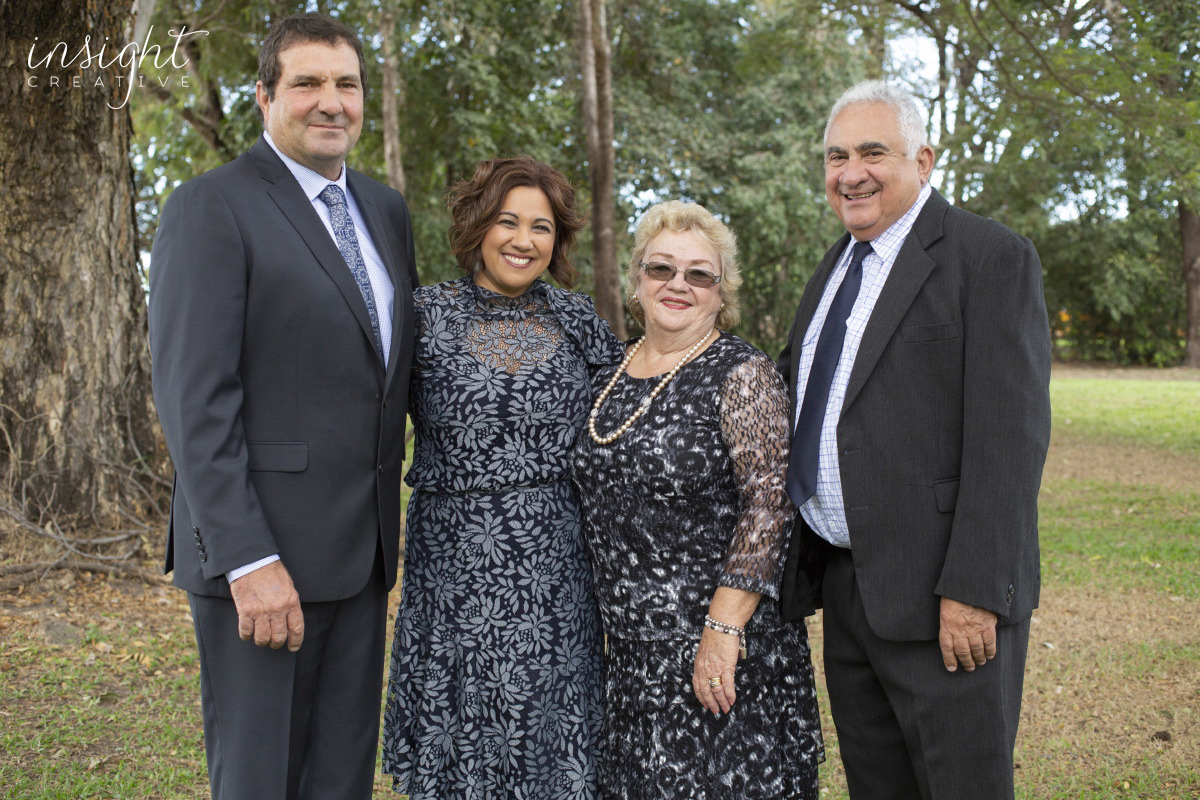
column 1148, row 412
column 1120, row 535
column 115, row 717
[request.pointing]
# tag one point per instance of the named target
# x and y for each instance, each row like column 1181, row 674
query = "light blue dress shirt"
column 825, row 511
column 312, row 184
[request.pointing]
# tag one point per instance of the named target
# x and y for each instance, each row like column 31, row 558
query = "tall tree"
column 74, row 372
column 391, row 101
column 595, row 59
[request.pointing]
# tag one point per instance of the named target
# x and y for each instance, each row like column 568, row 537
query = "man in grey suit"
column 919, row 367
column 281, row 332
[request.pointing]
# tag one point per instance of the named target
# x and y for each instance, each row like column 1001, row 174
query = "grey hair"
column 908, row 114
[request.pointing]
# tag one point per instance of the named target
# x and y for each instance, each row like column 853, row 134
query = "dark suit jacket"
column 286, row 433
column 943, row 433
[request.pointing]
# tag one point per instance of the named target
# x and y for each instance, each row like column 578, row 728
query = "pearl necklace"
column 645, row 404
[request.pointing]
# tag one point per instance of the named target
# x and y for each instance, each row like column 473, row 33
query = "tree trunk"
column 391, row 97
column 595, row 58
column 74, row 366
column 1189, row 231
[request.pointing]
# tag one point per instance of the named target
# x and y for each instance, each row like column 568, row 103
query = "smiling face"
column 316, row 115
column 516, row 250
column 675, row 306
column 869, row 180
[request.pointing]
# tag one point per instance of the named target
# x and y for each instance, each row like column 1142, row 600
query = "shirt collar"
column 311, row 182
column 887, row 244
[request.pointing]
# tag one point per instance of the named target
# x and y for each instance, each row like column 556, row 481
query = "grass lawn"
column 99, row 692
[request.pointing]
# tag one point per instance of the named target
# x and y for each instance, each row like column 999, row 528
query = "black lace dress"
column 691, row 498
column 495, row 678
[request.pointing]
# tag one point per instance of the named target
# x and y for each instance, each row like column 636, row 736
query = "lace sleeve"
column 754, row 425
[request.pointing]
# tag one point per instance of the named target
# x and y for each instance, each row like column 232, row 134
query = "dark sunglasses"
column 696, row 277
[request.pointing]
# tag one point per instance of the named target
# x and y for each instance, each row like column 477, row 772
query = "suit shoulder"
column 975, row 230
column 378, row 190
column 227, row 180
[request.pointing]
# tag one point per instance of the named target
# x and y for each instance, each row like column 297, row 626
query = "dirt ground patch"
column 1126, row 373
column 1081, row 459
column 1112, row 684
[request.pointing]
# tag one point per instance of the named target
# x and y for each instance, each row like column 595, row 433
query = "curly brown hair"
column 476, row 202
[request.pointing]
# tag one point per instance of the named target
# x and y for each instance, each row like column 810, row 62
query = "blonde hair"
column 679, row 217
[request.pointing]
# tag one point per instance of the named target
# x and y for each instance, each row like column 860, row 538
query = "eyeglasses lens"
column 665, row 272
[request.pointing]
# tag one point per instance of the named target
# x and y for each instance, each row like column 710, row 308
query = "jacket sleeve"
column 198, row 287
column 1006, row 428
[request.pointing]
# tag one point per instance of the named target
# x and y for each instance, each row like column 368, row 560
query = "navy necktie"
column 806, row 441
column 347, row 243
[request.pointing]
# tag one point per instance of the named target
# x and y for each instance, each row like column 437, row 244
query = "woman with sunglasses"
column 681, row 482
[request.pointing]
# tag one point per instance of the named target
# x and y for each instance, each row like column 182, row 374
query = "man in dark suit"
column 919, row 367
column 281, row 332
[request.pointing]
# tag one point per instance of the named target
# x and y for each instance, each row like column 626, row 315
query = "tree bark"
column 392, row 99
column 595, row 57
column 74, row 366
column 1189, row 233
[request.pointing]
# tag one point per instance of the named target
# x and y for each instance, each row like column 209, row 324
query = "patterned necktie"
column 347, row 243
column 806, row 441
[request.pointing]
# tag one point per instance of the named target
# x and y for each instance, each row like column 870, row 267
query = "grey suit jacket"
column 943, row 432
column 286, row 433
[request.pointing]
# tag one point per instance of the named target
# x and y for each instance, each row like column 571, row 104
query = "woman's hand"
column 715, row 658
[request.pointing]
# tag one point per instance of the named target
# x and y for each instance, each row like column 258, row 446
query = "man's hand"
column 268, row 607
column 968, row 635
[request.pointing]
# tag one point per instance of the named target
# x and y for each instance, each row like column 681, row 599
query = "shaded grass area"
column 94, row 705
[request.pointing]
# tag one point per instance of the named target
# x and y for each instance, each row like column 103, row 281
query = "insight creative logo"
column 44, row 69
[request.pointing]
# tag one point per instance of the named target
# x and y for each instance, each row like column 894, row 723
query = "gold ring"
column 714, row 682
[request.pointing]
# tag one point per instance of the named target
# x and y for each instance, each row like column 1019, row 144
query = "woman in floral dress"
column 494, row 689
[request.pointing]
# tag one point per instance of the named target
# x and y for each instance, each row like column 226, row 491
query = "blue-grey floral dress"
column 495, row 683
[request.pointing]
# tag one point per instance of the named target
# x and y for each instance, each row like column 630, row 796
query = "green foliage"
column 1074, row 124
column 724, row 104
column 1112, row 286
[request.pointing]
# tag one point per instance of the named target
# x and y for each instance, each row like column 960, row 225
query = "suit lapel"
column 383, row 240
column 290, row 199
column 909, row 273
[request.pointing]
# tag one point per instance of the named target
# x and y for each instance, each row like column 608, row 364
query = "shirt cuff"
column 234, row 574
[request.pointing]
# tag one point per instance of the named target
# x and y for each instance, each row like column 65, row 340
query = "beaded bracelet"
column 732, row 630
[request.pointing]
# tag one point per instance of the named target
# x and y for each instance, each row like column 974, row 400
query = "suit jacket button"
column 381, row 467
column 203, row 556
column 1011, row 590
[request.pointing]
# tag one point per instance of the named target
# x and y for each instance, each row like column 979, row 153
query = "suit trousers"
column 906, row 727
column 294, row 726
